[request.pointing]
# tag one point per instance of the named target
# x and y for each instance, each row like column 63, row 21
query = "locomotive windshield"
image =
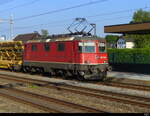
column 87, row 47
column 102, row 47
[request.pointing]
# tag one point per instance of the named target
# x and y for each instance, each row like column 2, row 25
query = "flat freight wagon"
column 11, row 55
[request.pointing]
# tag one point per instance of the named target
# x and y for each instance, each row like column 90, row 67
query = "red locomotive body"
column 85, row 58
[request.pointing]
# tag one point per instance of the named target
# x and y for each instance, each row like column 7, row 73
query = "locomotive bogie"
column 80, row 71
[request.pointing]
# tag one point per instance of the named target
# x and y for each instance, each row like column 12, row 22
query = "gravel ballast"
column 104, row 105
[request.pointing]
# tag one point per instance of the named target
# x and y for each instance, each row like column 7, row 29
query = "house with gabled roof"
column 123, row 43
column 27, row 37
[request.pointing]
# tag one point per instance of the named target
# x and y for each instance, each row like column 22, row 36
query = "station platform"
column 129, row 75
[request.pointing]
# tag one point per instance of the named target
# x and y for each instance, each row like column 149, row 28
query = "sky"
column 102, row 13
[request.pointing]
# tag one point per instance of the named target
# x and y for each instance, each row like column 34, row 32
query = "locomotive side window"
column 34, row 47
column 87, row 47
column 102, row 47
column 47, row 47
column 61, row 47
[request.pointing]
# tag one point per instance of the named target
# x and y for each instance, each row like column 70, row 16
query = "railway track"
column 46, row 103
column 30, row 103
column 126, row 86
column 111, row 96
column 110, row 84
column 119, row 84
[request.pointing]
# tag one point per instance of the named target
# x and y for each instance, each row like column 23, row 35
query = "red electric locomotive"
column 82, row 57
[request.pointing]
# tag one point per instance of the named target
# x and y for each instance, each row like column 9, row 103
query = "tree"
column 141, row 16
column 111, row 40
column 44, row 33
column 141, row 41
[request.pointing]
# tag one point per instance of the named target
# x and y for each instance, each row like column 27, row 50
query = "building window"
column 34, row 47
column 61, row 47
column 47, row 47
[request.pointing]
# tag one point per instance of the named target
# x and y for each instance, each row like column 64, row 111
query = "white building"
column 125, row 43
column 2, row 38
column 121, row 43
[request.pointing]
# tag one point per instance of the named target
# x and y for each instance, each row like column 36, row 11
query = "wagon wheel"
column 17, row 68
column 11, row 68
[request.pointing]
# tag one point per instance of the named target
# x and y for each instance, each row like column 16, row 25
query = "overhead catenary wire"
column 91, row 16
column 77, row 6
column 3, row 2
column 117, row 18
column 18, row 6
column 97, row 15
column 101, row 20
column 117, row 12
column 61, row 10
column 53, row 23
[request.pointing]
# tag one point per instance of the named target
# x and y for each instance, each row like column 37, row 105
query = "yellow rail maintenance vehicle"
column 11, row 55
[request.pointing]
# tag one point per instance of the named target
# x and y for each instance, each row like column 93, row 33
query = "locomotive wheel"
column 63, row 74
column 68, row 74
column 38, row 70
column 103, row 76
column 80, row 77
column 33, row 70
column 26, row 69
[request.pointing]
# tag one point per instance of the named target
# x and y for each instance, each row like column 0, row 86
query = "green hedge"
column 130, row 56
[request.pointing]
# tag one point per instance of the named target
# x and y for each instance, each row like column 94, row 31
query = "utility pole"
column 11, row 27
column 11, row 22
column 1, row 20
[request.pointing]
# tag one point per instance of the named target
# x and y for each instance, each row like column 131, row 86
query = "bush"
column 129, row 56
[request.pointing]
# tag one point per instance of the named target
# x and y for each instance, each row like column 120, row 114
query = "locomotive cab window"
column 34, row 47
column 61, row 47
column 87, row 47
column 47, row 47
column 102, row 47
